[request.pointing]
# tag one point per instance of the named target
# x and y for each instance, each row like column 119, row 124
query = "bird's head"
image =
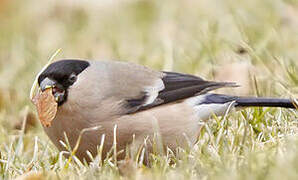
column 59, row 76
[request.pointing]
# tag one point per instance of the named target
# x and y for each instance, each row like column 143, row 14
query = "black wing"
column 178, row 86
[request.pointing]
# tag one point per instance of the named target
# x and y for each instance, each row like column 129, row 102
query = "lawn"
column 254, row 43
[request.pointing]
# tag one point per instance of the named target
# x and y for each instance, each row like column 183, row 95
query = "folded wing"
column 177, row 86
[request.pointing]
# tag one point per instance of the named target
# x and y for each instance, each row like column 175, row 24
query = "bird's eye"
column 72, row 78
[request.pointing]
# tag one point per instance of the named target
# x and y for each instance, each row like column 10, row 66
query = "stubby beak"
column 47, row 83
column 57, row 89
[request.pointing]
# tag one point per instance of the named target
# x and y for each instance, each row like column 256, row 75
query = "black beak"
column 47, row 83
column 57, row 90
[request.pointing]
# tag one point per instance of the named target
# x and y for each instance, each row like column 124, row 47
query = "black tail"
column 264, row 102
column 249, row 101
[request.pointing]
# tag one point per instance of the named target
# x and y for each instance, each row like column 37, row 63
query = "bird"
column 133, row 102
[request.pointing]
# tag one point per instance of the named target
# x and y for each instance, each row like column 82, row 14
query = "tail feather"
column 249, row 101
column 264, row 102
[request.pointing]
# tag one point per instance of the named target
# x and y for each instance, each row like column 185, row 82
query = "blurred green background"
column 187, row 36
column 254, row 43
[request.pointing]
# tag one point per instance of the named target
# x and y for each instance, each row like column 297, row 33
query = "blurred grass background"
column 254, row 43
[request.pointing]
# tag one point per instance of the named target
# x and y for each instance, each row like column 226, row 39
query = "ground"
column 254, row 43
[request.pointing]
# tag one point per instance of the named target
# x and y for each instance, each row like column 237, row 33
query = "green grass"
column 196, row 37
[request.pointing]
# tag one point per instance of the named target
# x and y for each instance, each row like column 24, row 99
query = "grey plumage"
column 140, row 101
